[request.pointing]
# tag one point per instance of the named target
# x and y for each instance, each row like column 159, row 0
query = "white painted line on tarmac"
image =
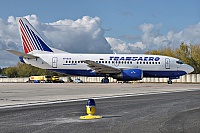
column 85, row 99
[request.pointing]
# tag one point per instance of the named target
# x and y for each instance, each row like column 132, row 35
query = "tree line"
column 190, row 54
column 26, row 70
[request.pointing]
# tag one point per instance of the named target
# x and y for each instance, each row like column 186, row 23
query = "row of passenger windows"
column 117, row 62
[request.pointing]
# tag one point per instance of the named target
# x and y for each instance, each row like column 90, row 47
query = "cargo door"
column 167, row 63
column 54, row 62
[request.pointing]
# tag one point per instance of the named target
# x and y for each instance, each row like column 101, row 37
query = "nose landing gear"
column 170, row 79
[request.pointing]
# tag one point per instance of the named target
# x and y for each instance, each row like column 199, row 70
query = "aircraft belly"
column 163, row 73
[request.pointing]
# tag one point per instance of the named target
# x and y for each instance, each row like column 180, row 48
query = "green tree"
column 11, row 72
column 25, row 70
column 190, row 54
column 183, row 53
column 154, row 52
column 1, row 71
column 195, row 57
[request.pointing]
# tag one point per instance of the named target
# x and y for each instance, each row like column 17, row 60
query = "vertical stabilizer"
column 31, row 40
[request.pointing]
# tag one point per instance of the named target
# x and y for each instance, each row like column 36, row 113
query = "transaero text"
column 116, row 58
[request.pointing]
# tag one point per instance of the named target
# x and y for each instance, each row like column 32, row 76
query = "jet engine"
column 129, row 75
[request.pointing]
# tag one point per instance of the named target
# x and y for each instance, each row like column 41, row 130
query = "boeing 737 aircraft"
column 123, row 67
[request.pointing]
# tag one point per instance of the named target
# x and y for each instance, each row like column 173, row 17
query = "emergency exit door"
column 167, row 63
column 54, row 62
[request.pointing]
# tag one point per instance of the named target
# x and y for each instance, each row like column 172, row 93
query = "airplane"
column 123, row 67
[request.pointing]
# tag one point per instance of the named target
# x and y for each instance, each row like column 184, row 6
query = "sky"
column 101, row 26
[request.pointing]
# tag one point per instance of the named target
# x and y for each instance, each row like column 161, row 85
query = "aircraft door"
column 167, row 63
column 54, row 62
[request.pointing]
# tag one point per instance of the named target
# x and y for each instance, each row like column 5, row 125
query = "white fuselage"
column 147, row 63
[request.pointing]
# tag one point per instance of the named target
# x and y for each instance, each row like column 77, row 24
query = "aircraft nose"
column 189, row 69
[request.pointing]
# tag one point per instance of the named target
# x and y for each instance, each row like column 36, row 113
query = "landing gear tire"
column 169, row 82
column 105, row 80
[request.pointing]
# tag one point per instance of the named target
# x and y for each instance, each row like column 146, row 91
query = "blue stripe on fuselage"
column 163, row 74
column 90, row 73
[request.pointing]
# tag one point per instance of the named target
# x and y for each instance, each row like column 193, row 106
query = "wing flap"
column 101, row 68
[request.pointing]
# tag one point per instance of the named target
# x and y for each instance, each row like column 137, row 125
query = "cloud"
column 119, row 46
column 9, row 39
column 83, row 35
column 151, row 39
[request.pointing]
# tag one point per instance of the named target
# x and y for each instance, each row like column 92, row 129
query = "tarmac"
column 22, row 94
column 125, row 108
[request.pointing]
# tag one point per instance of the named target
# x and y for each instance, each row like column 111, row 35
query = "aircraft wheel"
column 169, row 82
column 105, row 80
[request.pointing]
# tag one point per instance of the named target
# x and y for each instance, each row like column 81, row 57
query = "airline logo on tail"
column 31, row 40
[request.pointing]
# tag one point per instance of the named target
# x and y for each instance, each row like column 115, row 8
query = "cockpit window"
column 179, row 62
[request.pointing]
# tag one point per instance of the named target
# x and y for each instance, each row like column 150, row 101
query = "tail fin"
column 31, row 39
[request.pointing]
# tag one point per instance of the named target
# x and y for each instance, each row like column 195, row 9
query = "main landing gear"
column 169, row 81
column 105, row 80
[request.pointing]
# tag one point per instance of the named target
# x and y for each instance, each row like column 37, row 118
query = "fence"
column 189, row 78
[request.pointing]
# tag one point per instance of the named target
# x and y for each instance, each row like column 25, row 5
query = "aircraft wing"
column 100, row 68
column 20, row 54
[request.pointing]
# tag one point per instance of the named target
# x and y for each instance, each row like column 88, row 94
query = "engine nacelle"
column 129, row 75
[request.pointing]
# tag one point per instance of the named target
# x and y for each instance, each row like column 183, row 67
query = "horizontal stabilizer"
column 20, row 54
